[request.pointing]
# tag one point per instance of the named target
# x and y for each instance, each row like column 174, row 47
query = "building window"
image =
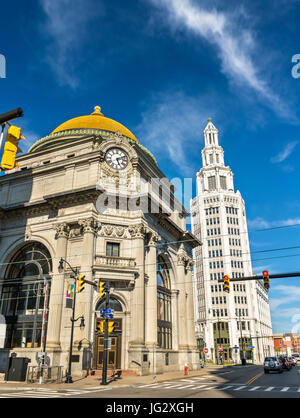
column 164, row 316
column 22, row 296
column 212, row 183
column 113, row 249
column 223, row 184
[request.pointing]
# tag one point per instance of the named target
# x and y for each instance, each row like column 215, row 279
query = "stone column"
column 85, row 299
column 57, row 290
column 137, row 337
column 151, row 292
column 182, row 326
column 190, row 304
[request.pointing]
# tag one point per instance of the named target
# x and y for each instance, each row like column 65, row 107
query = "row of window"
column 213, row 221
column 236, row 264
column 241, row 312
column 243, row 323
column 215, row 264
column 212, row 185
column 233, row 221
column 239, row 287
column 236, row 253
column 220, row 326
column 216, row 276
column 219, row 312
column 214, row 231
column 212, row 211
column 215, row 253
column 217, row 300
column 214, row 242
column 217, row 288
column 235, row 242
column 236, row 275
column 232, row 211
column 240, row 299
column 233, row 231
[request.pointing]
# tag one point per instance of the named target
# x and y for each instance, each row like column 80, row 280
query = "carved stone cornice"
column 113, row 231
column 62, row 230
column 137, row 231
column 89, row 225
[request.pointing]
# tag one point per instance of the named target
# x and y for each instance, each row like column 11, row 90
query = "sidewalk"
column 92, row 382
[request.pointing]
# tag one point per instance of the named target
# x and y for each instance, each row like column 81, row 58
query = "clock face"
column 116, row 158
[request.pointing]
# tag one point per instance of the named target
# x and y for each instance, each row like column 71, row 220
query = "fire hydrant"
column 186, row 367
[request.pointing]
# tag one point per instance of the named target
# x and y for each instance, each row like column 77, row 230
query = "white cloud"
column 285, row 153
column 67, row 27
column 172, row 128
column 235, row 46
column 260, row 223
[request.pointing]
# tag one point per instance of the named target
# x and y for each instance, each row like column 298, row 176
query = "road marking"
column 240, row 388
column 182, row 387
column 188, row 380
column 198, row 387
column 254, row 378
column 226, row 387
column 269, row 389
column 255, row 388
column 284, row 389
column 298, row 390
column 210, row 387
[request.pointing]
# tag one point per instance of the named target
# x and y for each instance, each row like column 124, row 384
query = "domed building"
column 90, row 201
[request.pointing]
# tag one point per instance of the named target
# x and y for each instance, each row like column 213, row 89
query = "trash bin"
column 17, row 369
column 244, row 362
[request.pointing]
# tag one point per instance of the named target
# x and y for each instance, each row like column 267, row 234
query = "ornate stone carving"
column 62, row 230
column 154, row 238
column 76, row 231
column 137, row 231
column 112, row 231
column 89, row 225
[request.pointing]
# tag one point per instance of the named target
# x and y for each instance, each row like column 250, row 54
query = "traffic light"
column 101, row 290
column 81, row 283
column 226, row 284
column 266, row 280
column 100, row 327
column 111, row 327
column 11, row 148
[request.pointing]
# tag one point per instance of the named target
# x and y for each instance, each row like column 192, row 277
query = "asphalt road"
column 232, row 382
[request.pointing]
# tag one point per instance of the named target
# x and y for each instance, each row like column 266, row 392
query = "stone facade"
column 55, row 198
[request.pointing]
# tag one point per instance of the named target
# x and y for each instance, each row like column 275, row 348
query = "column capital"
column 137, row 231
column 154, row 238
column 89, row 225
column 62, row 230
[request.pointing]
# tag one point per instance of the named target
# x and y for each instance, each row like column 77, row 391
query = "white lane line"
column 240, row 388
column 255, row 388
column 226, row 387
column 285, row 389
column 269, row 389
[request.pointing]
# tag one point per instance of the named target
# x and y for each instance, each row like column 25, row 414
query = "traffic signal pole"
column 105, row 348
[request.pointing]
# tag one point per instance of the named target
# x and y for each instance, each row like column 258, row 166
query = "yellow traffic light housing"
column 226, row 284
column 81, row 283
column 266, row 280
column 11, row 149
column 111, row 327
column 100, row 327
column 101, row 290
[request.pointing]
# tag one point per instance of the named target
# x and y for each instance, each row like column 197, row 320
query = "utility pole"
column 44, row 324
column 105, row 348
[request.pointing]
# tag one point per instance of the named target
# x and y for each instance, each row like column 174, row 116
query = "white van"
column 296, row 356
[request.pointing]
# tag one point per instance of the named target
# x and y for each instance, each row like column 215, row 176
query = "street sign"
column 235, row 347
column 205, row 350
column 251, row 347
column 220, row 348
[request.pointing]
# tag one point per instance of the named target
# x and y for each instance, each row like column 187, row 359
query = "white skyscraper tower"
column 242, row 317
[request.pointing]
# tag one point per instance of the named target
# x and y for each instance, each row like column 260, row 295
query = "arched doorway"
column 115, row 342
column 22, row 295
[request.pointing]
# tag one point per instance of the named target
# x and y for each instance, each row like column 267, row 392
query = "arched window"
column 113, row 304
column 164, row 318
column 22, row 295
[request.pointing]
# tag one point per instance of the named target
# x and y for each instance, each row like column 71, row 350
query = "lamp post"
column 73, row 320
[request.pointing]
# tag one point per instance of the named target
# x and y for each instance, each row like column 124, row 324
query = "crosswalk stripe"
column 284, row 389
column 182, row 387
column 240, row 388
column 198, row 387
column 269, row 389
column 255, row 388
column 188, row 380
column 210, row 387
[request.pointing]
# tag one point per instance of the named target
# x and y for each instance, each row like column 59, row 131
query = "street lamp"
column 61, row 269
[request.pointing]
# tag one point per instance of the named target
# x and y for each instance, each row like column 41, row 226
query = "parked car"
column 273, row 364
column 296, row 356
column 292, row 360
column 286, row 364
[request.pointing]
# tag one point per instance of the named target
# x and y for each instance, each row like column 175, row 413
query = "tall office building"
column 240, row 318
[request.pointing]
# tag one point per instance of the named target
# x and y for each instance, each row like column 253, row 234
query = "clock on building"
column 116, row 158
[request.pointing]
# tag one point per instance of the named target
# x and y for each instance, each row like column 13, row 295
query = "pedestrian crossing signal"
column 100, row 327
column 111, row 327
column 266, row 280
column 81, row 283
column 226, row 284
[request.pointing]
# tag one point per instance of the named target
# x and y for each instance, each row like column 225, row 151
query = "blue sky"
column 162, row 67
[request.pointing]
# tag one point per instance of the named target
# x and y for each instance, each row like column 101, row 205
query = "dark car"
column 272, row 364
column 286, row 364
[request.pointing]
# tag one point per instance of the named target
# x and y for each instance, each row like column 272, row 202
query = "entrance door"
column 114, row 353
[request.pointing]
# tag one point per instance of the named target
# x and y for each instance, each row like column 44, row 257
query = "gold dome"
column 95, row 121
